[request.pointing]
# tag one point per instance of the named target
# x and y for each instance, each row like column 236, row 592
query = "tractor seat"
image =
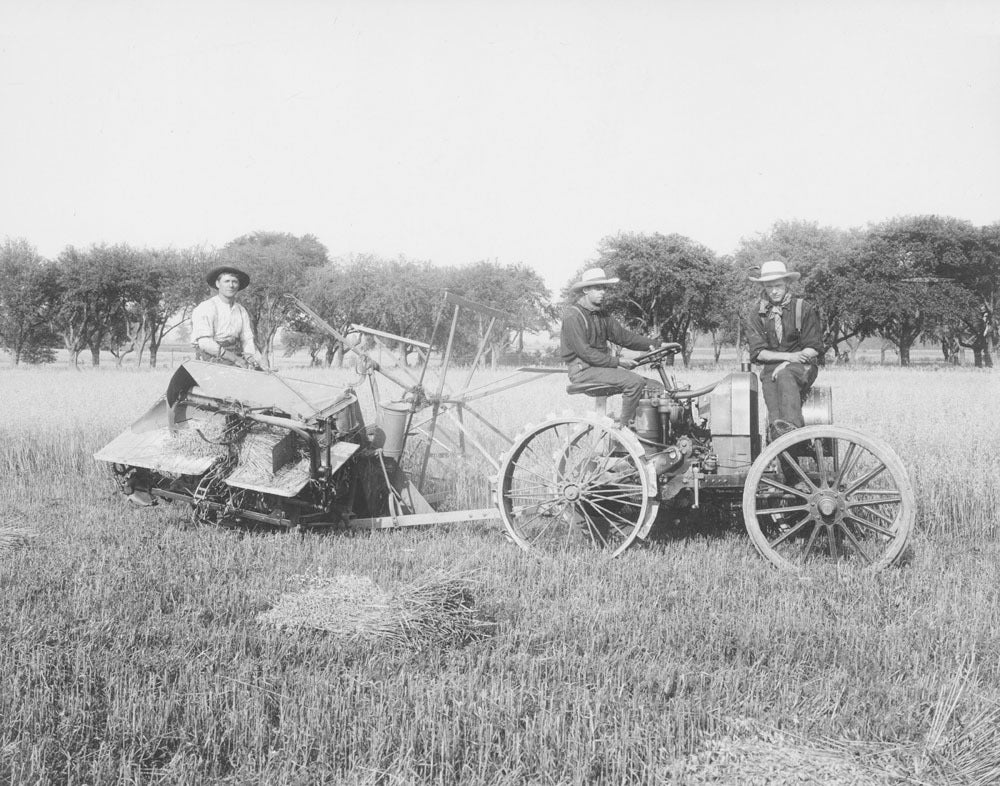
column 595, row 389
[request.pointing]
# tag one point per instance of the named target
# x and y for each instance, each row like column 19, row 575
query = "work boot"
column 781, row 427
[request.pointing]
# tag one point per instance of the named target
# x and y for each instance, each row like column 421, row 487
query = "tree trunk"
column 904, row 354
column 95, row 356
column 152, row 355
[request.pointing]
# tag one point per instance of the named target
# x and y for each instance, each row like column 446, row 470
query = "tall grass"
column 134, row 650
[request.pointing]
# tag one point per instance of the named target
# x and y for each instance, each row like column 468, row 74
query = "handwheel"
column 828, row 494
column 576, row 482
column 655, row 355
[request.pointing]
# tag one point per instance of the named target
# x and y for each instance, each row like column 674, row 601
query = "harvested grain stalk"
column 436, row 609
column 12, row 537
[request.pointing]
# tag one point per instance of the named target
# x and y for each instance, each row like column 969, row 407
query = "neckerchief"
column 773, row 310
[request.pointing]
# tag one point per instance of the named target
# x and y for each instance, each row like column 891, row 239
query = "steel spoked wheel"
column 828, row 494
column 573, row 483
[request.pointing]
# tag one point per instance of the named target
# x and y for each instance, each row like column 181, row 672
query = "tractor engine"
column 702, row 437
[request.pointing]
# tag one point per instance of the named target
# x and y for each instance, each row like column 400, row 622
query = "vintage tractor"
column 251, row 448
column 820, row 493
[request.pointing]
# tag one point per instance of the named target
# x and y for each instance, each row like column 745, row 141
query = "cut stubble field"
column 138, row 648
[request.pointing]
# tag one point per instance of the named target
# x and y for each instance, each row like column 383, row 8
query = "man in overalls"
column 785, row 336
column 586, row 331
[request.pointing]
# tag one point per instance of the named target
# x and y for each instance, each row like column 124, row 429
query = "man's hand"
column 241, row 362
column 800, row 357
column 626, row 363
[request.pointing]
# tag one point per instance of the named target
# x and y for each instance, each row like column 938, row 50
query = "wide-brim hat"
column 594, row 277
column 775, row 270
column 214, row 273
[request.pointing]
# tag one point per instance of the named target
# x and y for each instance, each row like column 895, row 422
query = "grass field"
column 134, row 649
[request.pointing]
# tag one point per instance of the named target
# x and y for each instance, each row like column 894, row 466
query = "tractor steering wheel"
column 658, row 354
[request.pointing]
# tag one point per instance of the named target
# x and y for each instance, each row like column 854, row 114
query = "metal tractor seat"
column 595, row 390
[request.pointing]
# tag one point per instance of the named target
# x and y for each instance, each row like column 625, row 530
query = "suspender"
column 798, row 315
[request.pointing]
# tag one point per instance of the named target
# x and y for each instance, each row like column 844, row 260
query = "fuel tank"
column 733, row 413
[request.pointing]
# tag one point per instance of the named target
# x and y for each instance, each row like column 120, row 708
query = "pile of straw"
column 199, row 438
column 961, row 748
column 436, row 609
column 12, row 537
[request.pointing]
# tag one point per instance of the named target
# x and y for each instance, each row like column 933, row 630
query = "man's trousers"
column 785, row 391
column 629, row 384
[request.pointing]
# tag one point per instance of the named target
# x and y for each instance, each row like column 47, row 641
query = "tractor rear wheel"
column 576, row 482
column 828, row 494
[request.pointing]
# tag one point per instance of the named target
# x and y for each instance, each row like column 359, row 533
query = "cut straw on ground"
column 437, row 608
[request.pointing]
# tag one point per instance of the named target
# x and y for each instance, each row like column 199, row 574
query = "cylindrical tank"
column 394, row 415
column 647, row 420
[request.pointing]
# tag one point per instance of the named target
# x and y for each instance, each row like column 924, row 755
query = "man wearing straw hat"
column 220, row 327
column 586, row 331
column 785, row 337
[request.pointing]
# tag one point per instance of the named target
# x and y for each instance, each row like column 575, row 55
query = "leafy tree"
column 514, row 289
column 277, row 263
column 396, row 296
column 901, row 263
column 27, row 295
column 666, row 283
column 176, row 285
column 93, row 288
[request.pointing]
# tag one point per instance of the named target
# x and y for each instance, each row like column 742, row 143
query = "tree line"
column 126, row 301
column 908, row 279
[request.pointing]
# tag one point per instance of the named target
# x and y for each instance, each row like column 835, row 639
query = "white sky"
column 522, row 131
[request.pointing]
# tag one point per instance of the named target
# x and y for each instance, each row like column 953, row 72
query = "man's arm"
column 247, row 339
column 624, row 337
column 811, row 336
column 574, row 335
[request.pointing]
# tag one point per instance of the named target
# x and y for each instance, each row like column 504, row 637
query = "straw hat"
column 775, row 270
column 594, row 277
column 214, row 273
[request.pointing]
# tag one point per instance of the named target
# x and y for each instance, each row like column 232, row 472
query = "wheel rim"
column 828, row 494
column 575, row 483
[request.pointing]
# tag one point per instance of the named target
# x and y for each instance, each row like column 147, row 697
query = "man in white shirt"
column 220, row 327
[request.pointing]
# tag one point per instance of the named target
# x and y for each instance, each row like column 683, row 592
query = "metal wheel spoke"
column 856, row 544
column 864, row 479
column 848, row 463
column 877, row 514
column 887, row 497
column 794, row 529
column 873, row 527
column 831, row 534
column 518, row 510
column 779, row 511
column 630, row 501
column 811, row 543
column 591, row 449
column 790, row 460
column 820, row 466
column 608, row 514
column 518, row 494
column 782, row 487
column 517, row 467
column 592, row 529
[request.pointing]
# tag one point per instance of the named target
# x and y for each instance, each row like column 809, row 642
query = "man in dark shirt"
column 586, row 331
column 785, row 337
